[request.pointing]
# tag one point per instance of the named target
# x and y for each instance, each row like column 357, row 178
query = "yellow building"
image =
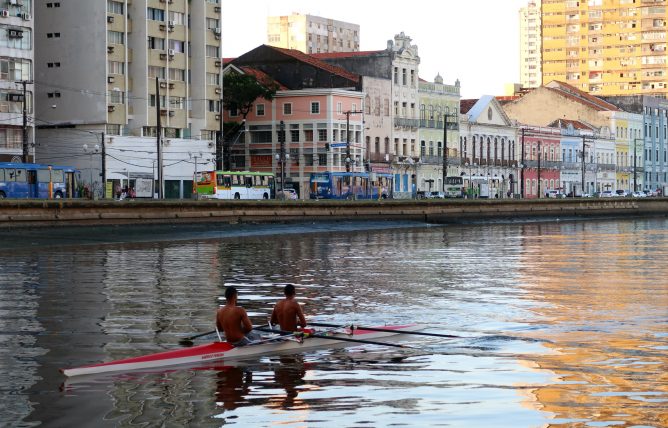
column 611, row 47
column 312, row 34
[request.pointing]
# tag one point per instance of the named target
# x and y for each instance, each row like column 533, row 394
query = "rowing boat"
column 218, row 351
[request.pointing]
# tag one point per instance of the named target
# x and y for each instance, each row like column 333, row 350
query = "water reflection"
column 560, row 323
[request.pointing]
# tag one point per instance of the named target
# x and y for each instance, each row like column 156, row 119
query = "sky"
column 475, row 41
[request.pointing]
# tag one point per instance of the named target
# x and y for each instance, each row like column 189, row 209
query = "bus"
column 234, row 185
column 351, row 185
column 454, row 187
column 33, row 180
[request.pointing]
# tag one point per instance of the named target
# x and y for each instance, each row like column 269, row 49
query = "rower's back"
column 288, row 313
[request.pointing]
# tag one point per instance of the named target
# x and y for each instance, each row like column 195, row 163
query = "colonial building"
column 16, row 67
column 488, row 147
column 319, row 106
column 438, row 103
column 312, row 34
column 397, row 150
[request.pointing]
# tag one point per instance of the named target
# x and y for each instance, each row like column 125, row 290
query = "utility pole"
column 159, row 133
column 635, row 159
column 26, row 146
column 445, row 149
column 583, row 165
column 540, row 152
column 522, row 166
column 219, row 139
column 348, row 159
column 103, row 173
column 281, row 154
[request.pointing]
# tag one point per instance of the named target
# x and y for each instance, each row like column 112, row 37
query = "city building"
column 573, row 134
column 312, row 34
column 320, row 107
column 438, row 102
column 540, row 161
column 530, row 45
column 16, row 86
column 651, row 147
column 606, row 47
column 117, row 66
column 488, row 147
column 394, row 111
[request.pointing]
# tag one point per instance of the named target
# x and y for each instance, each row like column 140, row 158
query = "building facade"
column 16, row 67
column 99, row 73
column 312, row 34
column 606, row 47
column 438, row 102
column 530, row 45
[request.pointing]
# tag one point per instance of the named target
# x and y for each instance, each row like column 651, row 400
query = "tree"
column 241, row 90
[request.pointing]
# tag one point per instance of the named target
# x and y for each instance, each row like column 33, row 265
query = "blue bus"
column 33, row 180
column 351, row 185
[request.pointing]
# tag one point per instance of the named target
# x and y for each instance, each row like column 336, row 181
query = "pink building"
column 540, row 169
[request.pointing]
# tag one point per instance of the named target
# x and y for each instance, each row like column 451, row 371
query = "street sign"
column 337, row 145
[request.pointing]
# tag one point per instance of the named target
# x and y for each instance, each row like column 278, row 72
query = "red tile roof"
column 310, row 59
column 563, row 123
column 466, row 105
column 228, row 60
column 327, row 55
column 582, row 97
column 263, row 78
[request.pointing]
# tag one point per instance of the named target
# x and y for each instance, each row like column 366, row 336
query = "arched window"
column 503, row 149
column 431, row 148
column 423, row 148
column 431, row 112
column 367, row 104
column 377, row 145
column 489, row 149
column 462, row 148
column 423, row 112
column 496, row 149
column 440, row 149
column 387, row 144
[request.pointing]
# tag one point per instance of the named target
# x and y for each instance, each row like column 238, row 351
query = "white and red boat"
column 224, row 351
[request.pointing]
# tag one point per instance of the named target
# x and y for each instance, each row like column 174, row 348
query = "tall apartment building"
column 98, row 61
column 16, row 65
column 530, row 45
column 312, row 34
column 606, row 47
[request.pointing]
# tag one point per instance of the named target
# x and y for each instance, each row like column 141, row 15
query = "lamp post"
column 540, row 152
column 445, row 148
column 348, row 113
column 635, row 162
column 195, row 156
column 91, row 151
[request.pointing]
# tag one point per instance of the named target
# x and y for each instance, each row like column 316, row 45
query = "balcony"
column 404, row 122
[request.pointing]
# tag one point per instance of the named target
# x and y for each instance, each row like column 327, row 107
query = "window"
column 403, row 77
column 308, row 135
column 212, row 51
column 116, row 67
column 212, row 23
column 177, row 18
column 177, row 45
column 17, row 39
column 322, row 135
column 177, row 74
column 213, row 79
column 155, row 71
column 13, row 69
column 153, row 14
column 213, row 106
column 116, row 97
column 287, row 109
column 156, row 43
column 152, row 100
column 259, row 109
column 339, row 108
column 116, row 37
column 115, row 7
column 396, row 75
column 315, row 107
column 322, row 159
column 294, row 135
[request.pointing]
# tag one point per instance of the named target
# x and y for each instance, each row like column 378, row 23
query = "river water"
column 561, row 324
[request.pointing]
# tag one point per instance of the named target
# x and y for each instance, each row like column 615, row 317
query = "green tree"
column 241, row 90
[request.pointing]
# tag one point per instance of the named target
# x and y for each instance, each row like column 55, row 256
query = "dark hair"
column 230, row 292
column 289, row 290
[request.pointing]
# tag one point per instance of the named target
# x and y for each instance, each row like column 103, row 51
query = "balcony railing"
column 404, row 122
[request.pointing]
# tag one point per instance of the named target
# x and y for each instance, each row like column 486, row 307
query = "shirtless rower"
column 287, row 312
column 233, row 320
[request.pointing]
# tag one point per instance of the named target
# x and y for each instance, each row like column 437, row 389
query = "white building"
column 99, row 61
column 16, row 66
column 530, row 45
column 312, row 34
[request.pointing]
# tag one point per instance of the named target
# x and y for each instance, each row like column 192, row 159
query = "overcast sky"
column 475, row 41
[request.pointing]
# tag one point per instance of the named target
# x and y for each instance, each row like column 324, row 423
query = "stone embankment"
column 31, row 213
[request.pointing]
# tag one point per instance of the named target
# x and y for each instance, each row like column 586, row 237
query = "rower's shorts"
column 248, row 339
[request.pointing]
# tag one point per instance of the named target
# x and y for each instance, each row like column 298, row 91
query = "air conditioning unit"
column 110, row 79
column 163, row 56
column 216, row 9
column 15, row 97
column 110, row 19
column 163, row 112
column 217, row 90
column 111, row 108
column 170, row 52
column 26, row 16
column 172, row 113
column 217, row 117
column 13, row 2
column 216, row 31
column 170, row 24
column 162, row 27
column 4, row 13
column 171, row 86
column 217, row 63
column 110, row 49
column 14, row 34
column 163, row 84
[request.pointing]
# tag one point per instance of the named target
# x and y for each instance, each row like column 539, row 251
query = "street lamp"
column 91, row 151
column 635, row 158
column 195, row 156
column 540, row 151
column 282, row 157
column 445, row 146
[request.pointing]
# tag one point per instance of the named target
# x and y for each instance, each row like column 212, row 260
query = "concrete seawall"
column 32, row 213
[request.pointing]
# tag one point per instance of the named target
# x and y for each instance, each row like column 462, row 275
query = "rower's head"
column 231, row 294
column 289, row 290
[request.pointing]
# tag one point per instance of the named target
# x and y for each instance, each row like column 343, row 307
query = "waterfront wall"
column 31, row 213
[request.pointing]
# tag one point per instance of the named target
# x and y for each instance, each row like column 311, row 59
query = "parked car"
column 287, row 194
column 554, row 194
column 607, row 194
column 639, row 195
column 436, row 195
column 622, row 193
column 650, row 193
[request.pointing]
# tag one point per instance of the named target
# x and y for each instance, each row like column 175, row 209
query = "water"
column 560, row 324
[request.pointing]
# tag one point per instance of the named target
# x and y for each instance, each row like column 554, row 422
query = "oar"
column 188, row 341
column 342, row 339
column 359, row 327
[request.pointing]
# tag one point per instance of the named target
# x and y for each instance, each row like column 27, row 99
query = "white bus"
column 454, row 187
column 234, row 185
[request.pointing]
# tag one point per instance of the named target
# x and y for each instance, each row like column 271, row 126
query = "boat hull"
column 218, row 351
